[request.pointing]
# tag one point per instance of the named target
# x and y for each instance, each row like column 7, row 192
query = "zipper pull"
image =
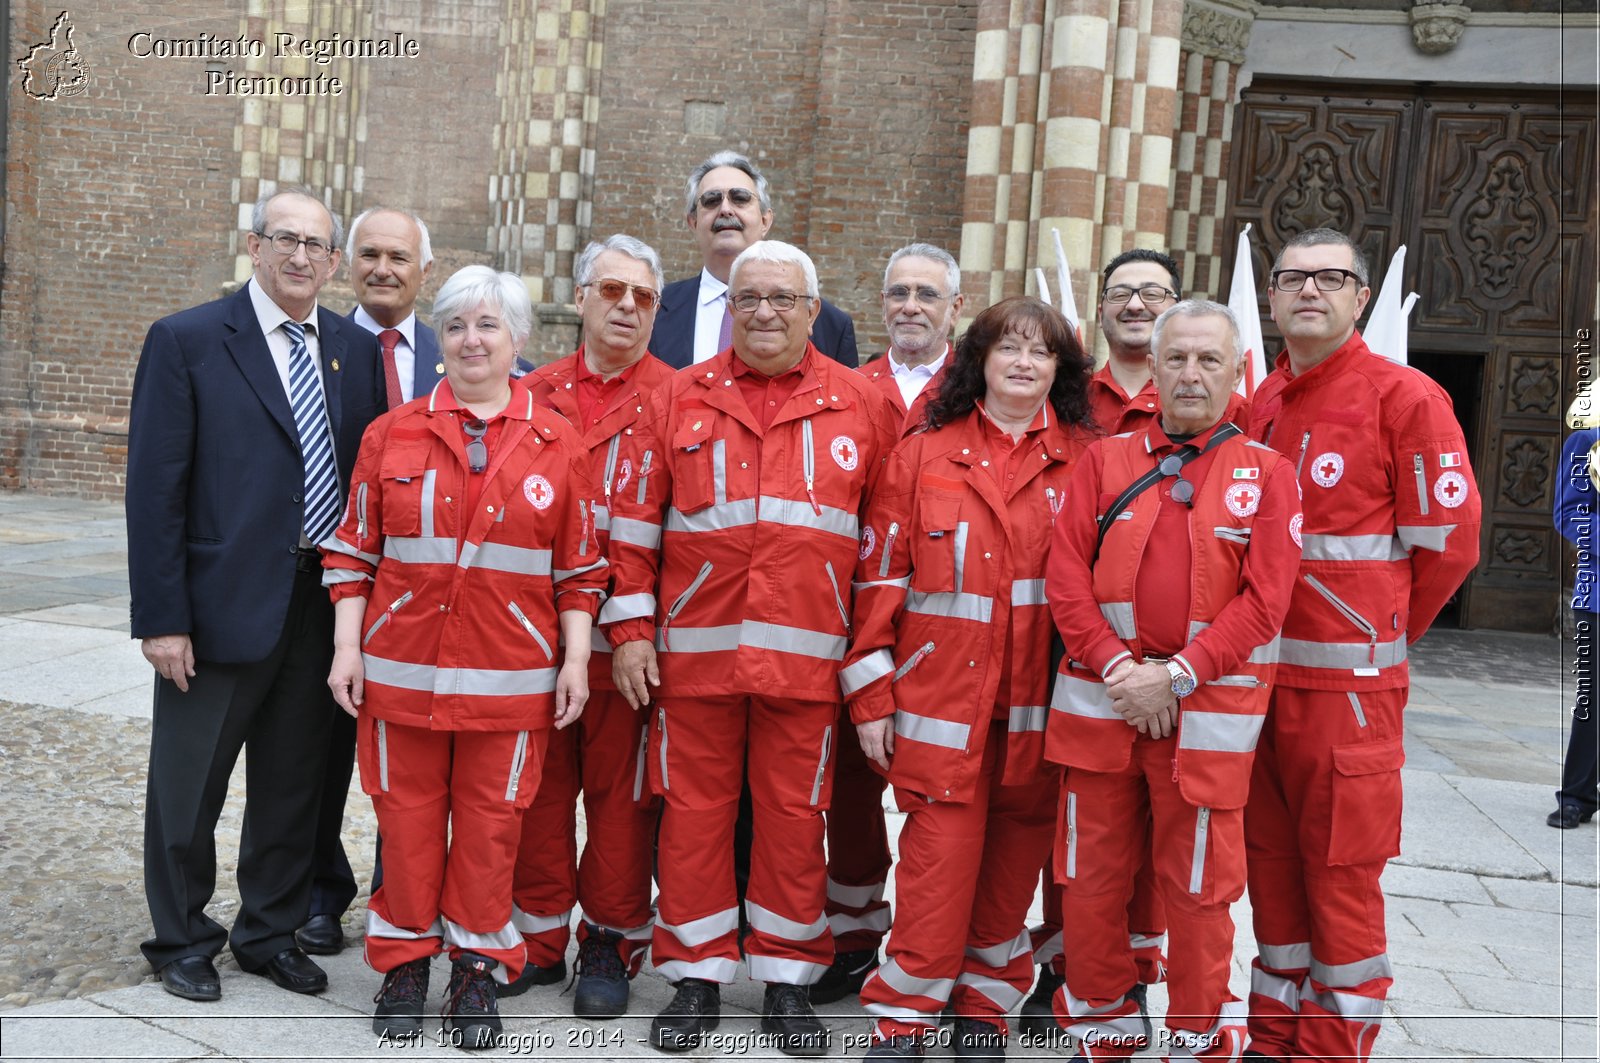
column 1174, row 769
column 810, row 494
column 1372, row 650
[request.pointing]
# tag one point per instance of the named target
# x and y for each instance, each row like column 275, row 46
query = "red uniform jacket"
column 879, row 372
column 1391, row 513
column 732, row 547
column 461, row 631
column 946, row 558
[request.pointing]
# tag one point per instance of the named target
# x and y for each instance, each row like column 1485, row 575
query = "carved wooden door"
column 1493, row 193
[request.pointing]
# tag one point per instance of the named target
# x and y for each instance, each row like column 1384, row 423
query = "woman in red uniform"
column 948, row 672
column 464, row 576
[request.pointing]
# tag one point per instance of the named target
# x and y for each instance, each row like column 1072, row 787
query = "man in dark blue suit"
column 390, row 256
column 728, row 210
column 247, row 415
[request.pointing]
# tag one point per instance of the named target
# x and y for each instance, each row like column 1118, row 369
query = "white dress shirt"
column 708, row 313
column 405, row 352
column 911, row 379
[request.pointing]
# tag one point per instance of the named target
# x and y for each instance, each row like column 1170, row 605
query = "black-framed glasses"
column 612, row 291
column 747, row 302
column 739, row 197
column 1183, row 490
column 286, row 243
column 1328, row 280
column 900, row 293
column 477, row 450
column 1149, row 294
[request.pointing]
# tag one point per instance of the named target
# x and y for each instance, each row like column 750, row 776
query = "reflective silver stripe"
column 717, row 969
column 420, row 551
column 735, row 514
column 1266, row 653
column 602, row 517
column 1351, row 548
column 583, row 519
column 898, row 980
column 383, row 756
column 1344, row 607
column 1295, row 957
column 640, row 766
column 783, row 971
column 1234, row 535
column 379, row 927
column 661, row 715
column 627, row 607
column 700, row 639
column 1355, row 704
column 876, row 921
column 1120, row 616
column 855, row 896
column 800, row 515
column 519, row 760
column 1025, row 718
column 1072, row 835
column 869, row 669
column 822, row 764
column 770, row 922
column 933, row 732
column 701, row 931
column 1348, row 1006
column 902, row 583
column 614, row 445
column 1354, row 656
column 528, row 923
column 644, row 475
column 1350, row 975
column 888, row 549
column 336, row 545
column 1271, row 986
column 1027, row 592
column 561, row 574
column 961, row 555
column 429, row 479
column 1003, row 995
column 1417, row 465
column 1003, row 953
column 528, row 626
column 507, row 937
column 797, row 640
column 1234, row 681
column 641, row 533
column 719, row 471
column 361, row 512
column 1218, row 732
column 912, row 661
column 1080, row 697
column 1086, row 1025
column 1213, row 1044
column 1146, row 941
column 476, row 682
column 1197, row 866
column 956, row 605
column 1048, row 949
column 1425, row 537
column 663, row 638
column 330, row 576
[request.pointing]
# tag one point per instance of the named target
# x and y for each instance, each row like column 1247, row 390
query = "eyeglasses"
column 747, row 302
column 900, row 293
column 477, row 451
column 1183, row 490
column 1149, row 294
column 738, row 197
column 612, row 291
column 1328, row 280
column 289, row 243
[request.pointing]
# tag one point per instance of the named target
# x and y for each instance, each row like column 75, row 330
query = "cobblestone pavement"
column 1492, row 915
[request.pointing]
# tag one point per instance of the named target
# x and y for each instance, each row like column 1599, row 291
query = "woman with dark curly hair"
column 948, row 675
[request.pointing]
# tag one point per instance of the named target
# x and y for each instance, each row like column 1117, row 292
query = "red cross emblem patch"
column 1451, row 489
column 538, row 491
column 1327, row 469
column 845, row 454
column 1242, row 498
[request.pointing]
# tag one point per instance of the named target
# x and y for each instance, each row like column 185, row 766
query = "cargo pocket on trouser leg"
column 1365, row 814
column 372, row 755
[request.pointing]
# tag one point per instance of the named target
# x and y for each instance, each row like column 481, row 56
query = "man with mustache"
column 729, row 209
column 1170, row 572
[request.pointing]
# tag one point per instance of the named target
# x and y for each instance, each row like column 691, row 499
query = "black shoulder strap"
column 1185, row 454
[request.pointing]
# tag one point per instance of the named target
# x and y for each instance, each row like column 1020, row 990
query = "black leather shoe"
column 532, row 975
column 321, row 936
column 787, row 1018
column 192, row 978
column 845, row 976
column 1568, row 816
column 900, row 1046
column 1038, row 1018
column 979, row 1040
column 293, row 970
column 694, row 1011
column 1140, row 995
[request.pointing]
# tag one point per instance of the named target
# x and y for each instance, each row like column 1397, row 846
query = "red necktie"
column 725, row 336
column 391, row 375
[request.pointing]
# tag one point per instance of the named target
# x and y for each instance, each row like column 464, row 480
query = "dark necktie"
column 389, row 337
column 725, row 335
column 316, row 442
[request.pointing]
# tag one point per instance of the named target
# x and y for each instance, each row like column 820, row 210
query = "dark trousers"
column 278, row 711
column 1579, row 775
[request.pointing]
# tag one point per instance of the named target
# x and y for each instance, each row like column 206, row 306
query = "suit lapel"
column 425, row 369
column 334, row 361
column 249, row 350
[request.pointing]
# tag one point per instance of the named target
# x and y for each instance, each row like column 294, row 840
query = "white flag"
column 1044, row 288
column 1386, row 325
column 1069, row 305
column 1242, row 301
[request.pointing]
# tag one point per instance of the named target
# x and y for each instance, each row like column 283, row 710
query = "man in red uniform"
column 1391, row 529
column 734, row 544
column 602, row 389
column 1169, row 576
column 921, row 305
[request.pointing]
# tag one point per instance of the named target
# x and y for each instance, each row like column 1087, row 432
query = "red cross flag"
column 1242, row 300
column 1385, row 333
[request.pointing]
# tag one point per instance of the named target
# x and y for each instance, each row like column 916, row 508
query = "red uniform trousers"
column 1147, row 925
column 858, row 849
column 964, row 881
column 1109, row 820
column 698, row 752
column 603, row 754
column 449, row 807
column 1323, row 820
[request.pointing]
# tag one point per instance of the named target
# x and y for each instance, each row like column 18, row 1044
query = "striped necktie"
column 316, row 442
